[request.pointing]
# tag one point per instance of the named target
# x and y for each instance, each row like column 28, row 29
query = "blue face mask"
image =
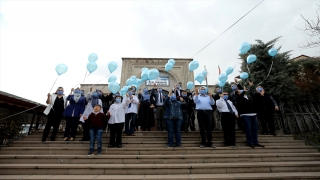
column 260, row 89
column 82, row 93
column 240, row 91
column 178, row 86
column 95, row 95
column 145, row 90
column 77, row 91
column 173, row 97
column 202, row 91
column 118, row 100
column 60, row 92
column 225, row 97
column 184, row 95
column 233, row 87
column 130, row 93
column 219, row 91
column 159, row 90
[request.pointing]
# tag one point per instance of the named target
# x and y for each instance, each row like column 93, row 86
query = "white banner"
column 160, row 81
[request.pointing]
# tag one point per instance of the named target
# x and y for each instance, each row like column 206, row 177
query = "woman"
column 56, row 104
column 116, row 121
column 73, row 112
column 146, row 110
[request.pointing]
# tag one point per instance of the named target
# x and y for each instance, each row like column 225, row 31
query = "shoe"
column 90, row 154
column 111, row 146
column 179, row 146
column 71, row 139
column 168, row 146
column 202, row 146
column 274, row 133
column 44, row 141
column 65, row 139
column 259, row 145
column 251, row 145
column 99, row 154
column 119, row 146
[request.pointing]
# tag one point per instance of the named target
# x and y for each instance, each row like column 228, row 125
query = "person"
column 131, row 113
column 228, row 113
column 177, row 90
column 92, row 99
column 57, row 102
column 159, row 105
column 216, row 123
column 185, row 117
column 204, row 114
column 146, row 110
column 247, row 112
column 105, row 98
column 174, row 118
column 73, row 112
column 96, row 121
column 265, row 108
column 233, row 98
column 191, row 110
column 116, row 121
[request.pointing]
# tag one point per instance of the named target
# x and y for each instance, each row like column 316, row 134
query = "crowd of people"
column 172, row 111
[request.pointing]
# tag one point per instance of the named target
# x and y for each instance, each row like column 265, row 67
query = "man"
column 228, row 113
column 233, row 98
column 131, row 113
column 177, row 90
column 204, row 114
column 216, row 121
column 265, row 105
column 191, row 110
column 185, row 117
column 159, row 105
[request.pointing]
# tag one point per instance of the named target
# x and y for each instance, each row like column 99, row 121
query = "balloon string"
column 248, row 68
column 83, row 79
column 54, row 83
column 268, row 74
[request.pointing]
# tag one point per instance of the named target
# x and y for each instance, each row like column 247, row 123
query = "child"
column 97, row 121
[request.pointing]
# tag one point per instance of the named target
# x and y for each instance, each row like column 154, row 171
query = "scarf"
column 76, row 97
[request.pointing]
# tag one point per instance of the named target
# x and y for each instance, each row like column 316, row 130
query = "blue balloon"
column 139, row 82
column 144, row 69
column 123, row 90
column 93, row 57
column 61, row 68
column 129, row 82
column 244, row 75
column 272, row 52
column 92, row 66
column 112, row 66
column 114, row 87
column 144, row 75
column 153, row 74
column 199, row 78
column 229, row 70
column 190, row 85
column 193, row 65
column 133, row 77
column 223, row 77
column 244, row 47
column 168, row 66
column 112, row 78
column 251, row 58
column 171, row 61
column 204, row 73
column 221, row 84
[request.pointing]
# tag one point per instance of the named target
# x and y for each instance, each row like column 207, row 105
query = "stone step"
column 131, row 143
column 157, row 150
column 159, row 169
column 157, row 159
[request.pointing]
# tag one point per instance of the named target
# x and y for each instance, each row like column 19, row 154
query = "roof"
column 302, row 56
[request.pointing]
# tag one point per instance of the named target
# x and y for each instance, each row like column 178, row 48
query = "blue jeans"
column 130, row 130
column 96, row 133
column 173, row 128
column 251, row 126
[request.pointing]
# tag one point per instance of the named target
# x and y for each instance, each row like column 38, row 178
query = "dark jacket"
column 263, row 103
column 155, row 95
column 173, row 109
column 74, row 109
column 97, row 120
column 245, row 106
column 215, row 98
column 233, row 96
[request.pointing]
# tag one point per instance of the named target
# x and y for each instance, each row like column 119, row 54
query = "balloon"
column 244, row 47
column 229, row 70
column 168, row 66
column 251, row 58
column 92, row 66
column 93, row 57
column 139, row 82
column 112, row 66
column 144, row 69
column 112, row 78
column 61, row 68
column 153, row 74
column 144, row 75
column 272, row 52
column 244, row 75
column 171, row 61
column 221, row 84
column 204, row 73
column 123, row 91
column 199, row 78
column 129, row 82
column 133, row 77
column 114, row 87
column 190, row 85
column 223, row 77
column 193, row 65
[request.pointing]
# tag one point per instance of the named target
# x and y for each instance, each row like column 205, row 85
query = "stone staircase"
column 144, row 156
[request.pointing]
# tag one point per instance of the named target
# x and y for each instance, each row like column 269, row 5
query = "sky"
column 37, row 35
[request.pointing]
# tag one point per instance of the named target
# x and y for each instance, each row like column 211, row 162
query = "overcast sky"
column 38, row 35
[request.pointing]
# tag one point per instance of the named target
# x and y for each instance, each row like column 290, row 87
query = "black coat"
column 245, row 106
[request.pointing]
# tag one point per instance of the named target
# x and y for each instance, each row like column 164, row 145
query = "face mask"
column 260, row 89
column 77, row 91
column 130, row 93
column 173, row 97
column 60, row 92
column 145, row 90
column 178, row 86
column 184, row 95
column 240, row 91
column 225, row 97
column 159, row 90
column 202, row 91
column 118, row 100
column 95, row 95
column 233, row 87
column 82, row 93
column 219, row 91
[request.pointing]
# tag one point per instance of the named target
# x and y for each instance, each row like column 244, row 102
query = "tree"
column 313, row 31
column 278, row 83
